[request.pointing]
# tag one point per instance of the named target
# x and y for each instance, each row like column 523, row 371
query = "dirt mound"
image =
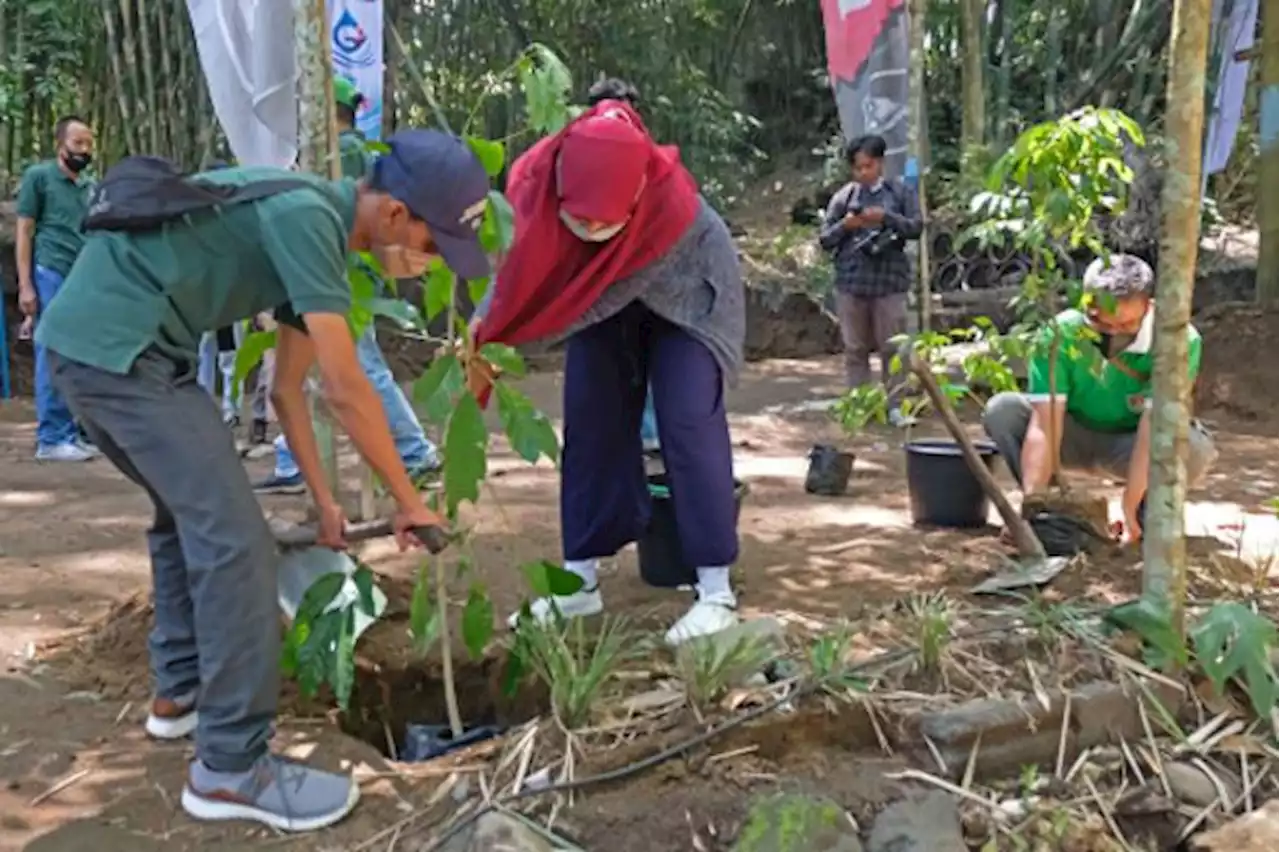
column 1238, row 373
column 395, row 686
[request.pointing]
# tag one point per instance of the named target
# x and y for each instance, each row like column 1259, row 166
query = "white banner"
column 251, row 82
column 356, row 41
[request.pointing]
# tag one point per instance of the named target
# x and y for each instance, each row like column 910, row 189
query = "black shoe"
column 258, row 432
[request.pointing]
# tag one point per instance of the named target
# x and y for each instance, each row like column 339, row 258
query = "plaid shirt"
column 856, row 271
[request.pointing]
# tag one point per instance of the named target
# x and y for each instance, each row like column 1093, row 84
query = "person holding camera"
column 866, row 228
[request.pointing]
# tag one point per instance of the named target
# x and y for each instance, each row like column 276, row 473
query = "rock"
column 796, row 823
column 1192, row 784
column 496, row 830
column 1254, row 832
column 788, row 324
column 925, row 821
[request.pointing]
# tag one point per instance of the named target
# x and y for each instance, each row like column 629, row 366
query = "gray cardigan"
column 697, row 286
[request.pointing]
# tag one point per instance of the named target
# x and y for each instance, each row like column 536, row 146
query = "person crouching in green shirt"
column 1102, row 392
column 123, row 342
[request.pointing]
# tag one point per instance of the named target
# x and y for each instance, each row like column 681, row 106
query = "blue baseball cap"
column 444, row 184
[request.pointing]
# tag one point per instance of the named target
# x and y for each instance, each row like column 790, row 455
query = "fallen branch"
column 1023, row 536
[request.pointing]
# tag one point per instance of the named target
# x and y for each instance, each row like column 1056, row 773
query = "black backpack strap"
column 257, row 190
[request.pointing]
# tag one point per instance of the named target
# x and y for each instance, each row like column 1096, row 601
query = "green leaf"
column 249, row 354
column 529, row 431
column 492, row 155
column 546, row 83
column 1152, row 624
column 343, row 675
column 477, row 289
column 505, row 358
column 547, row 579
column 438, row 292
column 424, row 617
column 318, row 596
column 1233, row 641
column 498, row 228
column 477, row 621
column 363, row 578
column 465, row 442
column 436, row 390
column 399, row 310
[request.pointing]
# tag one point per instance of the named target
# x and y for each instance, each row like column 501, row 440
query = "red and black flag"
column 868, row 51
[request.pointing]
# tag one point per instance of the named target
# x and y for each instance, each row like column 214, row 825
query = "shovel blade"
column 299, row 569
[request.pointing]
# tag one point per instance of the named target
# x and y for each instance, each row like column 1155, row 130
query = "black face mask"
column 77, row 162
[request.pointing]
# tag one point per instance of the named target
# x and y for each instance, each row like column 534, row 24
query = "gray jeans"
column 867, row 323
column 213, row 560
column 1008, row 415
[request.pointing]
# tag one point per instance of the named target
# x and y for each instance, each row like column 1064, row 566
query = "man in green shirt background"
column 123, row 344
column 52, row 199
column 1101, row 408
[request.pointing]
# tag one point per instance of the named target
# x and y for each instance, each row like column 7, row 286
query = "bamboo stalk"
column 149, row 75
column 117, row 72
column 171, row 85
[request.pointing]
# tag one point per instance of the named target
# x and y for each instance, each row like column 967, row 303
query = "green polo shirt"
column 165, row 288
column 354, row 157
column 1099, row 394
column 57, row 204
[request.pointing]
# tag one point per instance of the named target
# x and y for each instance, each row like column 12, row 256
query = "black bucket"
column 829, row 471
column 944, row 492
column 662, row 564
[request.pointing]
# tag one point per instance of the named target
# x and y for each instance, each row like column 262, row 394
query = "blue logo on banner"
column 351, row 47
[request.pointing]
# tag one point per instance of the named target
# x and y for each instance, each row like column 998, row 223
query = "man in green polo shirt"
column 1102, row 392
column 51, row 203
column 123, row 341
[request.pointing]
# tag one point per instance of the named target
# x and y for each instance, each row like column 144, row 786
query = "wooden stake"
column 1023, row 536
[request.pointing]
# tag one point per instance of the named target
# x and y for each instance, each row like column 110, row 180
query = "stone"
column 1191, row 784
column 797, row 823
column 1258, row 831
column 924, row 821
column 497, row 830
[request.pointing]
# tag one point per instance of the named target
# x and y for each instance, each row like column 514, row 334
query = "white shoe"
column 172, row 719
column 577, row 605
column 71, row 452
column 707, row 616
column 900, row 420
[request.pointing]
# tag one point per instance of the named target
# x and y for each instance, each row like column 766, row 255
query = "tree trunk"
column 917, row 148
column 1268, row 176
column 973, row 123
column 317, row 152
column 1164, row 549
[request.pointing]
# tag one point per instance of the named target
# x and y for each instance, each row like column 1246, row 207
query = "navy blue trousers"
column 604, row 498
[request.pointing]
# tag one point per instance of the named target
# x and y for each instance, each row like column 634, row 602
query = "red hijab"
column 603, row 168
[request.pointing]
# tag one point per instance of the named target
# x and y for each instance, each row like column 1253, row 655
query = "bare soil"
column 73, row 622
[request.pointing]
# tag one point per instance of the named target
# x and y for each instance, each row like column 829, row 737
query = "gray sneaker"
column 278, row 792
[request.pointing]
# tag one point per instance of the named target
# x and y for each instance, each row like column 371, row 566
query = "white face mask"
column 400, row 262
column 582, row 232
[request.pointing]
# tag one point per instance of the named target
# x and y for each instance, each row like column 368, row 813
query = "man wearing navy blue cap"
column 124, row 346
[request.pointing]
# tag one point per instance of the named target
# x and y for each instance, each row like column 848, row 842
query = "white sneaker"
column 900, row 420
column 707, row 616
column 172, row 718
column 577, row 605
column 63, row 453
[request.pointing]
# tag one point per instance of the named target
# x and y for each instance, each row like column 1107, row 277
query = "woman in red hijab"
column 616, row 251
